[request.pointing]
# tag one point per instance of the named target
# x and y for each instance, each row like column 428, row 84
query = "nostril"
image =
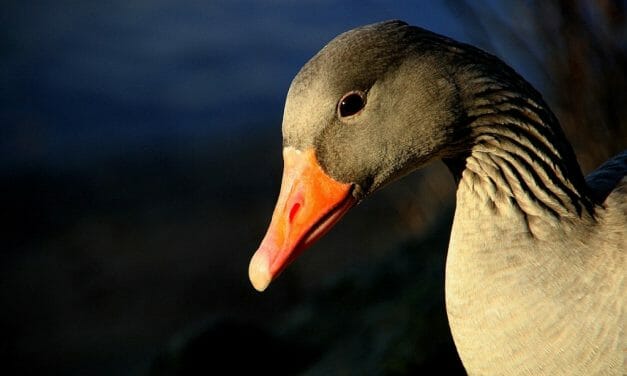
column 293, row 211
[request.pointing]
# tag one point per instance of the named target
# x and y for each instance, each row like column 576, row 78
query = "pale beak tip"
column 259, row 272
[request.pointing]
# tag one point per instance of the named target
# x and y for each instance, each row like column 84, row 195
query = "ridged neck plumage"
column 513, row 149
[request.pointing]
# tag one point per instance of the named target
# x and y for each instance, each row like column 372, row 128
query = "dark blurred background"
column 140, row 159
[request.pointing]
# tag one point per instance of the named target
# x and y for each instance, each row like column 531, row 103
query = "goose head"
column 371, row 106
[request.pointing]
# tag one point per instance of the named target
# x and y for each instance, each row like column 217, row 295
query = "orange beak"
column 309, row 204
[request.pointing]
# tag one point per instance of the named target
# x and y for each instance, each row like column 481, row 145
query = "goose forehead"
column 305, row 115
column 354, row 60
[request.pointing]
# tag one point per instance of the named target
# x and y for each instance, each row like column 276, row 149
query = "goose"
column 535, row 264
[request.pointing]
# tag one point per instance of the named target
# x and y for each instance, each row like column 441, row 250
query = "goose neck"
column 518, row 157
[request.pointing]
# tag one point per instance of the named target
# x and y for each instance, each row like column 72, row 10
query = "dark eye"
column 351, row 103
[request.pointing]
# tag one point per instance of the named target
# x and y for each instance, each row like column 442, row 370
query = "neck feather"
column 518, row 154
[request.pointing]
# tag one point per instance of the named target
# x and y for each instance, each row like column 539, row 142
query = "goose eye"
column 351, row 103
